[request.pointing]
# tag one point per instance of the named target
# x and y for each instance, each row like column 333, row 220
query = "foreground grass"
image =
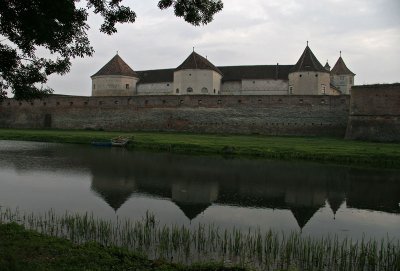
column 323, row 149
column 22, row 249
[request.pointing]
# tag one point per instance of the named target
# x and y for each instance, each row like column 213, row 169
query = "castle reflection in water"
column 194, row 183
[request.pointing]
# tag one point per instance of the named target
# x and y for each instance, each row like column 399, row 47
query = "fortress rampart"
column 239, row 114
column 375, row 113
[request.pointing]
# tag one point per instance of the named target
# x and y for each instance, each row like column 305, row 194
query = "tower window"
column 316, row 75
column 177, row 90
column 127, row 86
column 300, row 75
column 290, row 89
column 204, row 90
column 323, row 89
column 189, row 90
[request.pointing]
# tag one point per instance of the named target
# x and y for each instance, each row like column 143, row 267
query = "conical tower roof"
column 303, row 214
column 340, row 68
column 196, row 61
column 192, row 210
column 116, row 66
column 308, row 62
column 327, row 66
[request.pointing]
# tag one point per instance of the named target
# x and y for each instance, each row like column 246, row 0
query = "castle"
column 198, row 76
column 305, row 99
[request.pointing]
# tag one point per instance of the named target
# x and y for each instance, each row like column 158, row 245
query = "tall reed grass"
column 253, row 248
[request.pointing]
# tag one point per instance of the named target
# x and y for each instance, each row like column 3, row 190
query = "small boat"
column 102, row 143
column 119, row 141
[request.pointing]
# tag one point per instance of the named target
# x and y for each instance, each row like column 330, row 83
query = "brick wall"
column 268, row 115
column 375, row 113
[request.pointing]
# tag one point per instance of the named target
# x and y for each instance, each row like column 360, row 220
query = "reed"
column 256, row 249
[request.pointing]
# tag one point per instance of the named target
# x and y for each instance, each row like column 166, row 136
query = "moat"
column 316, row 199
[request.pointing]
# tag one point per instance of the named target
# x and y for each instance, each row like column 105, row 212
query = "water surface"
column 316, row 199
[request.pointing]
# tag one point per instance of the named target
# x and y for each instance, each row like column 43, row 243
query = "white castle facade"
column 198, row 76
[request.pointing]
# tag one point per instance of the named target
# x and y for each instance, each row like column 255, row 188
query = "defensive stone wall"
column 239, row 114
column 375, row 113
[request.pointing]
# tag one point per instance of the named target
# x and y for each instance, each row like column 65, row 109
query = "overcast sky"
column 251, row 32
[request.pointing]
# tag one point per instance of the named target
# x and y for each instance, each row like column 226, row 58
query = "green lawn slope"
column 323, row 149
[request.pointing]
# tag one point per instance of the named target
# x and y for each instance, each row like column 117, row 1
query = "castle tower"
column 308, row 76
column 327, row 66
column 341, row 76
column 116, row 78
column 197, row 75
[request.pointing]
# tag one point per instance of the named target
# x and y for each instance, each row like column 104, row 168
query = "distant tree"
column 60, row 27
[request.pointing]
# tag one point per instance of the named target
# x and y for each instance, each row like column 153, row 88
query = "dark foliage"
column 59, row 27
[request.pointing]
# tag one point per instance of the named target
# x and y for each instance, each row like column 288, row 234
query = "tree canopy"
column 60, row 27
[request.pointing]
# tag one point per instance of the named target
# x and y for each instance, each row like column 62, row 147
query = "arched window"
column 189, row 90
column 204, row 90
column 177, row 90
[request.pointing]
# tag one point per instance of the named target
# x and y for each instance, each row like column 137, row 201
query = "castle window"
column 300, row 75
column 189, row 90
column 323, row 89
column 290, row 89
column 167, row 85
column 127, row 86
column 177, row 90
column 44, row 103
column 219, row 101
column 351, row 80
column 204, row 90
column 200, row 102
column 164, row 101
column 316, row 75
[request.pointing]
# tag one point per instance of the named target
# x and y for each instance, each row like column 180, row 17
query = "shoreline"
column 316, row 149
column 23, row 249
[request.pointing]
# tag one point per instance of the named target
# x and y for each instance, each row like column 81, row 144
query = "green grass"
column 22, row 249
column 97, row 244
column 323, row 149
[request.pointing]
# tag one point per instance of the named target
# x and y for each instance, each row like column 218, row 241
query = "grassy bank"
column 22, row 249
column 332, row 150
